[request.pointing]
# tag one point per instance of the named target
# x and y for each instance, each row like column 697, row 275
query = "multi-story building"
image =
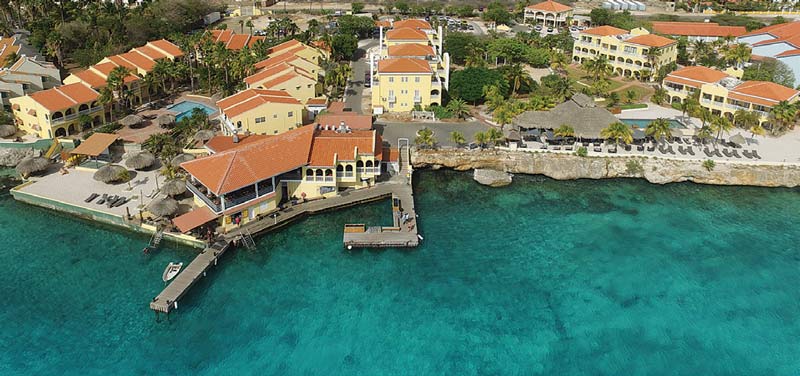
column 58, row 112
column 297, row 48
column 233, row 41
column 139, row 61
column 259, row 111
column 27, row 76
column 292, row 67
column 781, row 42
column 723, row 95
column 409, row 68
column 243, row 182
column 694, row 31
column 630, row 53
column 548, row 13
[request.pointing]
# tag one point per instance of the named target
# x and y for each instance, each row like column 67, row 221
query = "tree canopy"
column 770, row 70
column 468, row 84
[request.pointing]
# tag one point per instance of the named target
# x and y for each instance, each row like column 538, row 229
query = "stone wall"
column 562, row 166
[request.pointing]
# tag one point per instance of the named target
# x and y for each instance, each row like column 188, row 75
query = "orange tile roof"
column 193, row 219
column 166, row 46
column 788, row 53
column 651, row 40
column 762, row 92
column 403, row 65
column 410, row 49
column 7, row 47
column 237, row 41
column 267, row 73
column 64, row 97
column 219, row 144
column 384, row 24
column 90, row 77
column 140, row 61
column 250, row 163
column 150, row 52
column 703, row 29
column 406, row 33
column 106, row 68
column 550, row 6
column 350, row 119
column 779, row 31
column 326, row 144
column 605, row 31
column 335, row 107
column 95, row 145
column 289, row 44
column 316, row 101
column 413, row 23
column 390, row 155
column 696, row 76
column 250, row 99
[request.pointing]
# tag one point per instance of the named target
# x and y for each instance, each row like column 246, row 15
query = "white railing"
column 75, row 115
column 369, row 170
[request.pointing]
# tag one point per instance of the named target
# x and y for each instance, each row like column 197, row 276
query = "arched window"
column 348, row 168
column 339, row 168
column 83, row 107
column 359, row 164
column 328, row 172
column 369, row 163
column 57, row 115
column 61, row 132
column 69, row 112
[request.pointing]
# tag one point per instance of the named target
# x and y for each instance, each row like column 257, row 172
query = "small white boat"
column 171, row 271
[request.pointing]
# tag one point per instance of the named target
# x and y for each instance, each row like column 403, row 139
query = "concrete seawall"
column 564, row 166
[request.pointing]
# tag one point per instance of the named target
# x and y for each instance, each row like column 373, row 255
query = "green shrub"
column 709, row 165
column 582, row 151
column 440, row 112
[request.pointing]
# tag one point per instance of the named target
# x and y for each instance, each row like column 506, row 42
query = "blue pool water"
column 642, row 123
column 184, row 109
column 615, row 277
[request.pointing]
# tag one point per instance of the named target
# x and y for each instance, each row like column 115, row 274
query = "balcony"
column 319, row 179
column 369, row 170
column 417, row 99
column 392, row 99
column 75, row 115
column 196, row 192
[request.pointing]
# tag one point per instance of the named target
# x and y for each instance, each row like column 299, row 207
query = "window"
column 275, row 132
column 391, row 93
column 416, row 79
column 391, row 79
column 416, row 93
column 613, row 48
column 274, row 116
column 261, row 119
column 630, row 50
column 3, row 94
column 291, row 113
column 403, row 91
column 403, row 79
column 238, row 124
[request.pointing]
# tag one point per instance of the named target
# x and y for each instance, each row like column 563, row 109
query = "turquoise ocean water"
column 540, row 278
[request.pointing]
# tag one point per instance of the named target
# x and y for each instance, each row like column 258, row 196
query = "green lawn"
column 580, row 76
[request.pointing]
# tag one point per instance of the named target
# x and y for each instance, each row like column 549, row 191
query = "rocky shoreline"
column 562, row 166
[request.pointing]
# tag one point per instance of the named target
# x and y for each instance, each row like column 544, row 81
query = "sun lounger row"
column 110, row 201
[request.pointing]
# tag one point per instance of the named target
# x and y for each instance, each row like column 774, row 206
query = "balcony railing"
column 75, row 115
column 392, row 99
column 238, row 200
column 369, row 170
column 196, row 192
column 319, row 178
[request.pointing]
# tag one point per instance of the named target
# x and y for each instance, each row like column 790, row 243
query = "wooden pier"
column 167, row 300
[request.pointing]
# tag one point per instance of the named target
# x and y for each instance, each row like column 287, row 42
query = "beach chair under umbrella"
column 165, row 119
column 738, row 139
column 204, row 135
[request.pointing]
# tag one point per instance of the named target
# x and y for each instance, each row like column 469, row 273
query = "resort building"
column 781, row 42
column 233, row 41
column 27, row 76
column 694, row 31
column 253, row 179
column 723, row 95
column 634, row 53
column 409, row 69
column 297, row 48
column 335, row 117
column 259, row 111
column 548, row 13
column 58, row 112
column 139, row 61
column 297, row 82
column 8, row 48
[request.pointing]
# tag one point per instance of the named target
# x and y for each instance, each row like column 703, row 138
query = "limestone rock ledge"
column 569, row 166
column 492, row 178
column 12, row 157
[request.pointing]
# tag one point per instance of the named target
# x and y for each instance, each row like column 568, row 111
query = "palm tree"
column 562, row 88
column 10, row 59
column 600, row 87
column 704, row 133
column 652, row 55
column 659, row 129
column 106, row 99
column 691, row 104
column 630, row 96
column 783, row 115
column 539, row 103
column 493, row 97
column 116, row 82
column 494, row 136
column 618, row 132
column 504, row 114
column 517, row 76
column 598, row 67
column 558, row 62
column 699, row 50
column 659, row 96
column 721, row 124
column 457, row 138
column 737, row 54
column 475, row 56
column 241, row 26
column 425, row 138
column 458, row 108
column 480, row 139
column 250, row 25
column 564, row 131
column 757, row 130
column 745, row 119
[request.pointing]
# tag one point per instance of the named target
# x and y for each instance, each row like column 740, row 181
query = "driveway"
column 392, row 131
column 355, row 90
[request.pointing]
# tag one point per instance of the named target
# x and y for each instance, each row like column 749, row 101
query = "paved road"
column 355, row 91
column 392, row 131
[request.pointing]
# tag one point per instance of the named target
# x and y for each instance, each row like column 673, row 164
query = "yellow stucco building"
column 251, row 179
column 409, row 69
column 260, row 111
column 58, row 112
column 628, row 52
column 723, row 95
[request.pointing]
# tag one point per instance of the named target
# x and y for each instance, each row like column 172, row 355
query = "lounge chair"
column 727, row 153
column 669, row 149
column 678, row 140
column 680, row 150
column 91, row 197
column 111, row 200
column 102, row 199
column 544, row 146
column 651, row 148
column 689, row 150
column 755, row 154
column 568, row 147
column 735, row 153
column 598, row 149
column 707, row 153
column 746, row 153
column 627, row 148
column 717, row 153
column 639, row 147
column 612, row 149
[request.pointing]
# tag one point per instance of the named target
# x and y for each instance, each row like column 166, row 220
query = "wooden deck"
column 167, row 300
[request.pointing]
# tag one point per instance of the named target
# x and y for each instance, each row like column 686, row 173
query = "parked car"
column 537, row 28
column 549, row 29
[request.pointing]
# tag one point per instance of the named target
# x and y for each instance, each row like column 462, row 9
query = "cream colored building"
column 27, row 76
column 58, row 112
column 723, row 95
column 628, row 52
column 548, row 13
column 260, row 111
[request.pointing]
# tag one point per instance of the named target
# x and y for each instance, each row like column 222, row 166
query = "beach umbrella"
column 163, row 207
column 31, row 165
column 180, row 158
column 204, row 135
column 165, row 119
column 737, row 139
column 174, row 187
column 109, row 173
column 7, row 130
column 140, row 160
column 131, row 120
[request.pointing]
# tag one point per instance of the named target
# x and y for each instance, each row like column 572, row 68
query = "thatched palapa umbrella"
column 163, row 207
column 204, row 135
column 140, row 160
column 32, row 165
column 737, row 139
column 110, row 173
column 131, row 120
column 180, row 158
column 7, row 130
column 174, row 187
column 165, row 119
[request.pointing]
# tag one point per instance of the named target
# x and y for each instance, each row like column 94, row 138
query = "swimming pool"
column 642, row 123
column 184, row 109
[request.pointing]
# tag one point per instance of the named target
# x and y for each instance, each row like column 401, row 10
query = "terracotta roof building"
column 233, row 41
column 260, row 111
column 548, row 13
column 630, row 53
column 705, row 31
column 412, row 23
column 781, row 42
column 58, row 112
column 406, row 34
